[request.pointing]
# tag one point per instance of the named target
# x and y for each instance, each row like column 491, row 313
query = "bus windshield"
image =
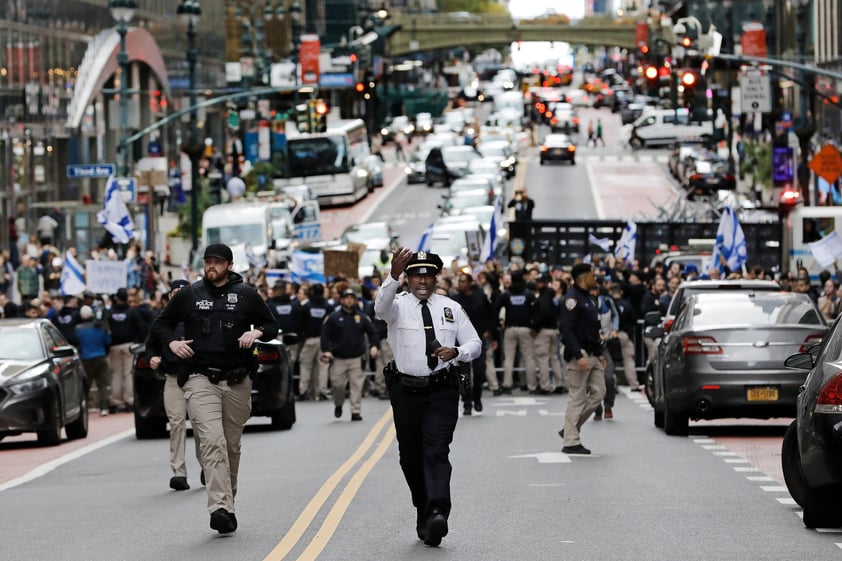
column 236, row 233
column 322, row 155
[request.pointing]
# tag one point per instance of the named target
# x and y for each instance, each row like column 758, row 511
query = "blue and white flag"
column 72, row 276
column 489, row 245
column 426, row 239
column 114, row 215
column 602, row 243
column 307, row 266
column 626, row 245
column 730, row 245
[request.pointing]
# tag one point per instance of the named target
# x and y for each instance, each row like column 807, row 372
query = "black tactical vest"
column 216, row 322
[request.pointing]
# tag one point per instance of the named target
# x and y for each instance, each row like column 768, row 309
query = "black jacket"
column 124, row 324
column 287, row 313
column 545, row 312
column 580, row 324
column 313, row 315
column 518, row 306
column 480, row 311
column 343, row 333
column 214, row 319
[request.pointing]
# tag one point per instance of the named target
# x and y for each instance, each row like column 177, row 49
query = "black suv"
column 271, row 393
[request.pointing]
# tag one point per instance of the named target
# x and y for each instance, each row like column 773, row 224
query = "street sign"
column 755, row 91
column 128, row 188
column 827, row 164
column 87, row 171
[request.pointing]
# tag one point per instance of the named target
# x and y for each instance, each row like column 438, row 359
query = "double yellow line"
column 331, row 522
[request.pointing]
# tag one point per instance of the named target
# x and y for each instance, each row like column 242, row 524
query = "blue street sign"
column 128, row 188
column 86, row 171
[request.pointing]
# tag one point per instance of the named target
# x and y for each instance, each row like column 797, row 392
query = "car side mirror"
column 653, row 332
column 65, row 351
column 800, row 361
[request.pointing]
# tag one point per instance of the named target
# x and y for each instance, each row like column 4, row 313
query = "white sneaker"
column 103, row 412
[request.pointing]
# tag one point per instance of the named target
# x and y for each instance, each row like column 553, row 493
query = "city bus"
column 329, row 163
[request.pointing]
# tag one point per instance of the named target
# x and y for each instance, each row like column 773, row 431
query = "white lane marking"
column 519, row 401
column 547, row 484
column 46, row 468
column 829, row 530
column 547, row 457
column 714, row 447
column 725, row 454
column 704, row 440
column 759, row 478
column 518, row 413
column 736, row 461
column 774, row 488
column 745, row 469
column 788, row 501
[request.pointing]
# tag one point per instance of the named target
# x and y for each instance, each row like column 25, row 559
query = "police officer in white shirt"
column 424, row 328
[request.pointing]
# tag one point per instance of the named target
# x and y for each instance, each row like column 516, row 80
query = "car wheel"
column 821, row 507
column 286, row 417
column 675, row 423
column 573, row 162
column 542, row 161
column 51, row 436
column 658, row 418
column 791, row 465
column 429, row 182
column 636, row 143
column 79, row 428
column 149, row 428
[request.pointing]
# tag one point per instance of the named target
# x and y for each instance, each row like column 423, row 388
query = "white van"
column 806, row 224
column 512, row 100
column 240, row 223
column 663, row 127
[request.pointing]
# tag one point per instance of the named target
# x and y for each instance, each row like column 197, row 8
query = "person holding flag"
column 72, row 279
column 489, row 245
column 627, row 244
column 114, row 215
column 729, row 249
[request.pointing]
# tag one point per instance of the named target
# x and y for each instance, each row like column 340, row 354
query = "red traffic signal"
column 686, row 42
column 359, row 87
column 353, row 57
column 320, row 107
column 688, row 79
column 651, row 73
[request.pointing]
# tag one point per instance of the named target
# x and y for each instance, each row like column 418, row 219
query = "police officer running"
column 343, row 345
column 223, row 317
column 584, row 363
column 313, row 372
column 423, row 387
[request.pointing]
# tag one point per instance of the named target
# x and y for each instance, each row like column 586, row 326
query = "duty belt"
column 438, row 379
column 217, row 375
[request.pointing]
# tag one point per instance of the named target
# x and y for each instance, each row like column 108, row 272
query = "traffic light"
column 319, row 110
column 302, row 117
column 689, row 78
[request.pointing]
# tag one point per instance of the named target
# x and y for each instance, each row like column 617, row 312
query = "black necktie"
column 430, row 334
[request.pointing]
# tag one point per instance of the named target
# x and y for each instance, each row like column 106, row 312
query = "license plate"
column 762, row 394
column 557, row 151
column 713, row 180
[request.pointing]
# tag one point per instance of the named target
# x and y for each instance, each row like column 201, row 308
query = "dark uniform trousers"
column 479, row 368
column 433, row 414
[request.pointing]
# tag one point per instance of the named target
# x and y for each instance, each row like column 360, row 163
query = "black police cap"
column 220, row 251
column 179, row 283
column 424, row 263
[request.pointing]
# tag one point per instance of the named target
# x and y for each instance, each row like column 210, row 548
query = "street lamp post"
column 123, row 11
column 189, row 12
column 296, row 28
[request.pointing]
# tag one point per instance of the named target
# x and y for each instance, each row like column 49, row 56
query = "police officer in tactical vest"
column 223, row 318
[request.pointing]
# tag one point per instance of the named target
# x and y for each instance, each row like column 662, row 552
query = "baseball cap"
column 178, row 283
column 349, row 292
column 220, row 251
column 122, row 294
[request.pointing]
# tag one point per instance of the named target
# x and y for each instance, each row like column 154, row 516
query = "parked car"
column 811, row 452
column 367, row 231
column 501, row 152
column 456, row 202
column 724, row 356
column 374, row 165
column 271, row 394
column 42, row 382
column 443, row 165
column 558, row 147
column 564, row 118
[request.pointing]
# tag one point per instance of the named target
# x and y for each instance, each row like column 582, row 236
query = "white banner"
column 827, row 250
column 105, row 277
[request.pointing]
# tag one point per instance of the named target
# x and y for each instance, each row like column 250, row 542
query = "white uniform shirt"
column 402, row 313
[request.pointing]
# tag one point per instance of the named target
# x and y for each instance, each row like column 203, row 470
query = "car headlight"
column 29, row 386
column 384, row 131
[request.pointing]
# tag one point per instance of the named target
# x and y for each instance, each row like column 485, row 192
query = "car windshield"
column 458, row 155
column 494, row 149
column 361, row 233
column 556, row 140
column 317, row 156
column 468, row 198
column 237, row 233
column 448, row 244
column 20, row 344
column 769, row 308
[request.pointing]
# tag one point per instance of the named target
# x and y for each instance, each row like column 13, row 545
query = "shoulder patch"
column 570, row 303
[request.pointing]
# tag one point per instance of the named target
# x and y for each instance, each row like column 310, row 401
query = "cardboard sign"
column 340, row 263
column 105, row 277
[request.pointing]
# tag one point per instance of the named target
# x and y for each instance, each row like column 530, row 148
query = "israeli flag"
column 626, row 245
column 426, row 239
column 114, row 215
column 489, row 245
column 603, row 243
column 72, row 276
column 307, row 266
column 730, row 245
